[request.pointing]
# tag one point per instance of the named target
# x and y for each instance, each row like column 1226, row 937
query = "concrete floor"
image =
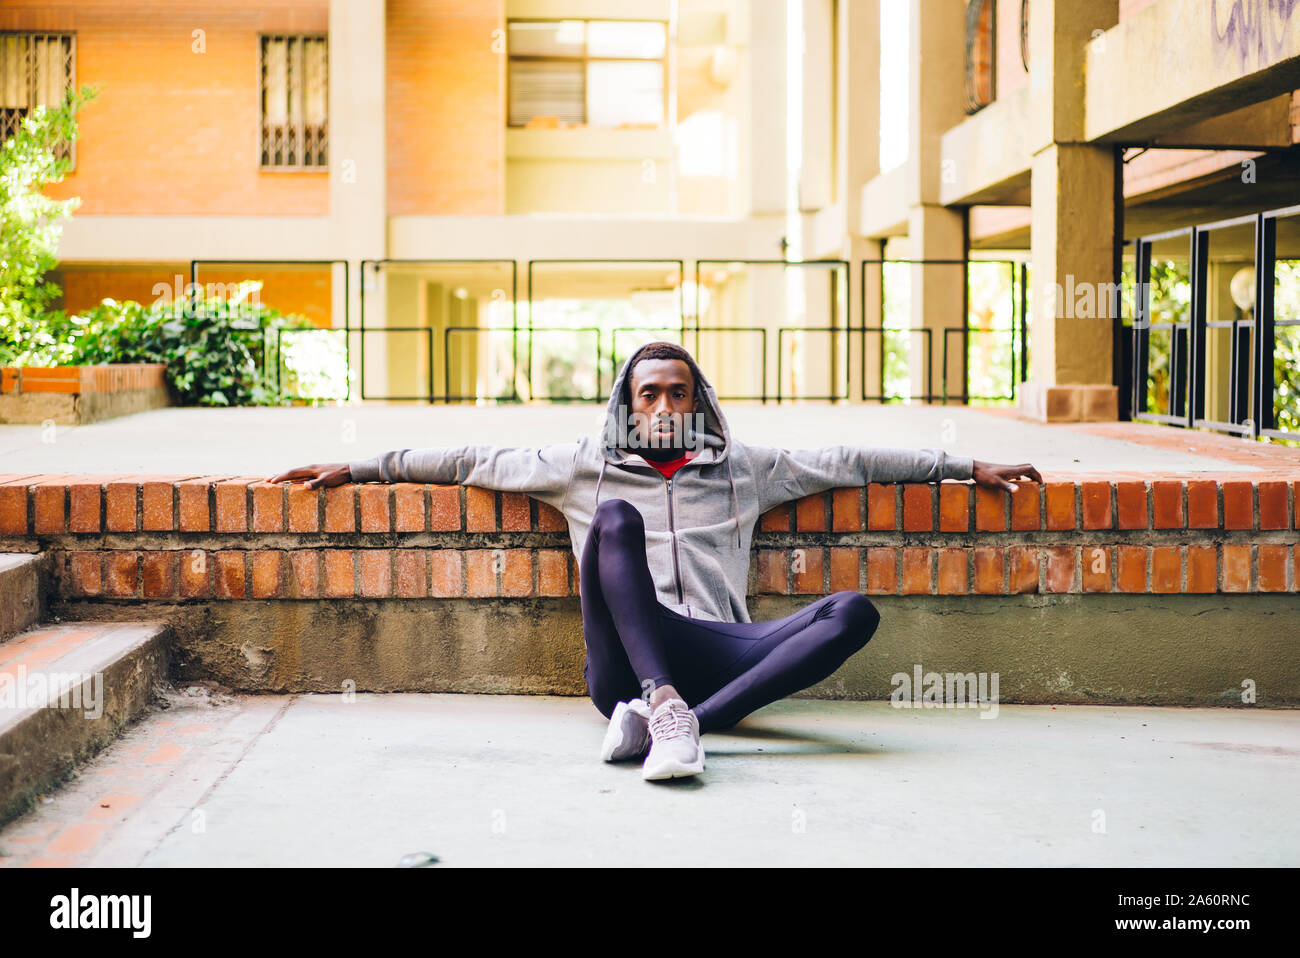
column 267, row 441
column 516, row 780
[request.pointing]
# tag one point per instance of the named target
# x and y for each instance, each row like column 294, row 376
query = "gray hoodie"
column 699, row 524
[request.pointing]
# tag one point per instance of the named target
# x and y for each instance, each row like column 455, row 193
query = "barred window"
column 295, row 89
column 981, row 17
column 36, row 69
column 606, row 73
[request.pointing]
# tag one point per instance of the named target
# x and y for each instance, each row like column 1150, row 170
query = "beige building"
column 501, row 198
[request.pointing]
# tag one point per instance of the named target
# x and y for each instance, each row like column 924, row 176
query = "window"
column 606, row 73
column 295, row 88
column 981, row 15
column 35, row 70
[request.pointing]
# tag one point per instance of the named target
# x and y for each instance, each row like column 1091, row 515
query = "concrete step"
column 22, row 591
column 96, row 677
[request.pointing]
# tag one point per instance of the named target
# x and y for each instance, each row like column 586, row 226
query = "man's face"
column 663, row 396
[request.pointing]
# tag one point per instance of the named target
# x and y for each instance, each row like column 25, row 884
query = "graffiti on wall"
column 1256, row 31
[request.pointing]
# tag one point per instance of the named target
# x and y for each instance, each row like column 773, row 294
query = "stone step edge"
column 40, row 747
column 24, row 585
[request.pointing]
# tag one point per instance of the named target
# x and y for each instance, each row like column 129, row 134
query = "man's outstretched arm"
column 785, row 474
column 540, row 471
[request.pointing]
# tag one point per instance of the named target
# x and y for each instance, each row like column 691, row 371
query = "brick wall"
column 446, row 107
column 308, row 292
column 107, row 378
column 87, row 286
column 174, row 131
column 1157, row 536
column 239, row 537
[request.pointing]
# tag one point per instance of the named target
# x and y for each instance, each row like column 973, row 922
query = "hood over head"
column 713, row 446
column 717, row 436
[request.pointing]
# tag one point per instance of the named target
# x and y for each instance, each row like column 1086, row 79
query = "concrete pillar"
column 1073, row 197
column 1072, row 245
column 818, row 107
column 937, row 63
column 404, row 370
column 378, row 346
column 857, row 161
column 938, row 297
column 857, row 100
column 937, row 58
column 767, row 108
column 358, row 156
column 767, row 301
column 866, row 308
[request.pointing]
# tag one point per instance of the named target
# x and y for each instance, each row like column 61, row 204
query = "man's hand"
column 995, row 476
column 329, row 474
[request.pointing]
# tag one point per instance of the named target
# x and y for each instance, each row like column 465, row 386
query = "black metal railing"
column 257, row 329
column 1170, row 356
column 523, row 379
column 370, row 270
column 1017, row 333
column 604, row 372
column 1251, row 335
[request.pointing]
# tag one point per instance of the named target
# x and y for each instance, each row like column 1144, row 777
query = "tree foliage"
column 31, row 223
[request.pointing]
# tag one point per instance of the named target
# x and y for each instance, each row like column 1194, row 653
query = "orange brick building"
column 694, row 140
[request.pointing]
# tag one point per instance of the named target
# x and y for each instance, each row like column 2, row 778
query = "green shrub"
column 213, row 348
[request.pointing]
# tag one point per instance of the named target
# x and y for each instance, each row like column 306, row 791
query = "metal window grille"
column 36, row 69
column 981, row 15
column 295, row 93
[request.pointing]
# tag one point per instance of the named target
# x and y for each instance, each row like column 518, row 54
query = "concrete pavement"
column 257, row 441
column 318, row 780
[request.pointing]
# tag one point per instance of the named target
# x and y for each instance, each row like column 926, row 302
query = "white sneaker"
column 675, row 749
column 628, row 735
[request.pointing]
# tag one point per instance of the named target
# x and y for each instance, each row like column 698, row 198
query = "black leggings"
column 723, row 670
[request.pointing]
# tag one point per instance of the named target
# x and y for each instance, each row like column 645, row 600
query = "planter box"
column 76, row 395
